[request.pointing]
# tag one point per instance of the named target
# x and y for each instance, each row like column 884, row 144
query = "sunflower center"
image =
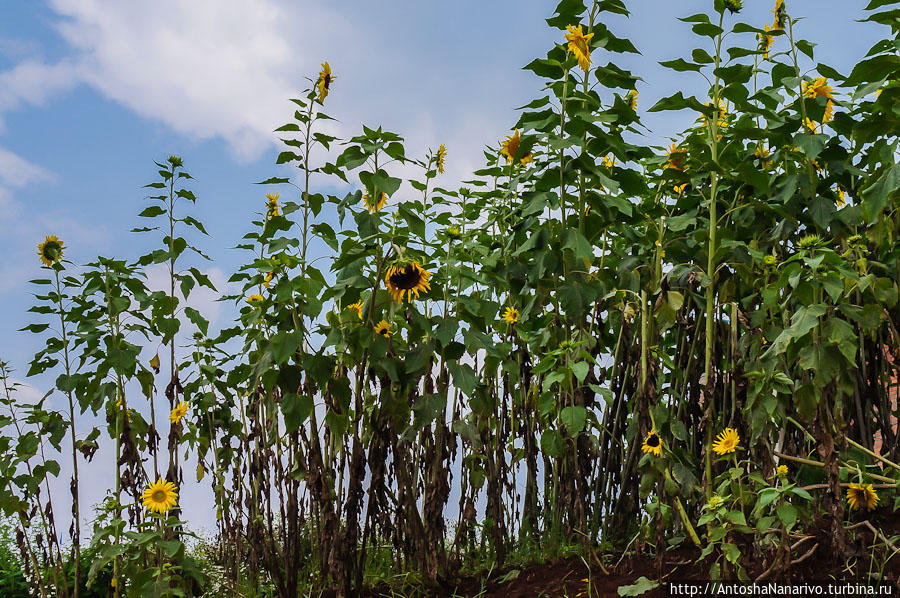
column 653, row 440
column 159, row 496
column 327, row 81
column 409, row 278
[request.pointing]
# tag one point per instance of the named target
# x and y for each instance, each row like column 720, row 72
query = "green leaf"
column 552, row 443
column 641, row 585
column 573, row 418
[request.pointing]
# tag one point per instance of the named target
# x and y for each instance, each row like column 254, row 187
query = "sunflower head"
column 510, row 147
column 51, row 250
column 608, row 161
column 440, row 157
column 841, row 198
column 862, row 496
column 154, row 363
column 780, row 12
column 676, row 157
column 715, row 501
column 383, row 328
column 373, row 206
column 269, row 277
column 726, row 442
column 323, row 85
column 510, row 315
column 766, row 39
column 272, row 204
column 781, row 470
column 579, row 45
column 817, row 88
column 254, row 298
column 356, row 307
column 679, row 189
column 160, row 496
column 407, row 279
column 734, row 6
column 179, row 412
column 652, row 444
column 631, row 97
column 809, row 242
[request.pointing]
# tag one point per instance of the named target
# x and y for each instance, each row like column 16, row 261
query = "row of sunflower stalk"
column 593, row 342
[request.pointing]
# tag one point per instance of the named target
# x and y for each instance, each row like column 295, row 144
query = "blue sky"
column 92, row 91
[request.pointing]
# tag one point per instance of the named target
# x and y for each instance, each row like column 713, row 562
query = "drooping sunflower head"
column 272, row 205
column 160, row 496
column 780, row 12
column 51, row 250
column 375, row 206
column 407, row 279
column 579, row 45
column 510, row 315
column 356, row 307
column 631, row 97
column 440, row 157
column 817, row 88
column 383, row 328
column 862, row 496
column 254, row 298
column 676, row 157
column 781, row 470
column 510, row 147
column 766, row 40
column 269, row 277
column 652, row 444
column 608, row 161
column 726, row 442
column 734, row 5
column 323, row 85
column 179, row 412
column 810, row 124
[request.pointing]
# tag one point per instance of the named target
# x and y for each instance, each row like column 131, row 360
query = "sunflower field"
column 595, row 348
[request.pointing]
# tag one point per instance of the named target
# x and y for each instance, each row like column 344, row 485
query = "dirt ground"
column 565, row 578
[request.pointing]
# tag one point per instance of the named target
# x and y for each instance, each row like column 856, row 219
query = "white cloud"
column 206, row 68
column 16, row 171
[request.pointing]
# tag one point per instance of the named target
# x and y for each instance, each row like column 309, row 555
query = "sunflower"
column 631, row 98
column 652, row 444
column 254, row 298
column 510, row 147
column 715, row 501
column 829, row 112
column 766, row 40
column 374, row 207
column 323, row 85
column 179, row 412
column 608, row 161
column 441, row 156
column 51, row 250
column 579, row 45
column 407, row 279
column 160, row 497
column 679, row 189
column 780, row 15
column 726, row 441
column 781, row 470
column 734, row 5
column 817, row 88
column 676, row 157
column 357, row 307
column 810, row 124
column 510, row 315
column 862, row 496
column 841, row 199
column 154, row 363
column 272, row 204
column 267, row 281
column 383, row 328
